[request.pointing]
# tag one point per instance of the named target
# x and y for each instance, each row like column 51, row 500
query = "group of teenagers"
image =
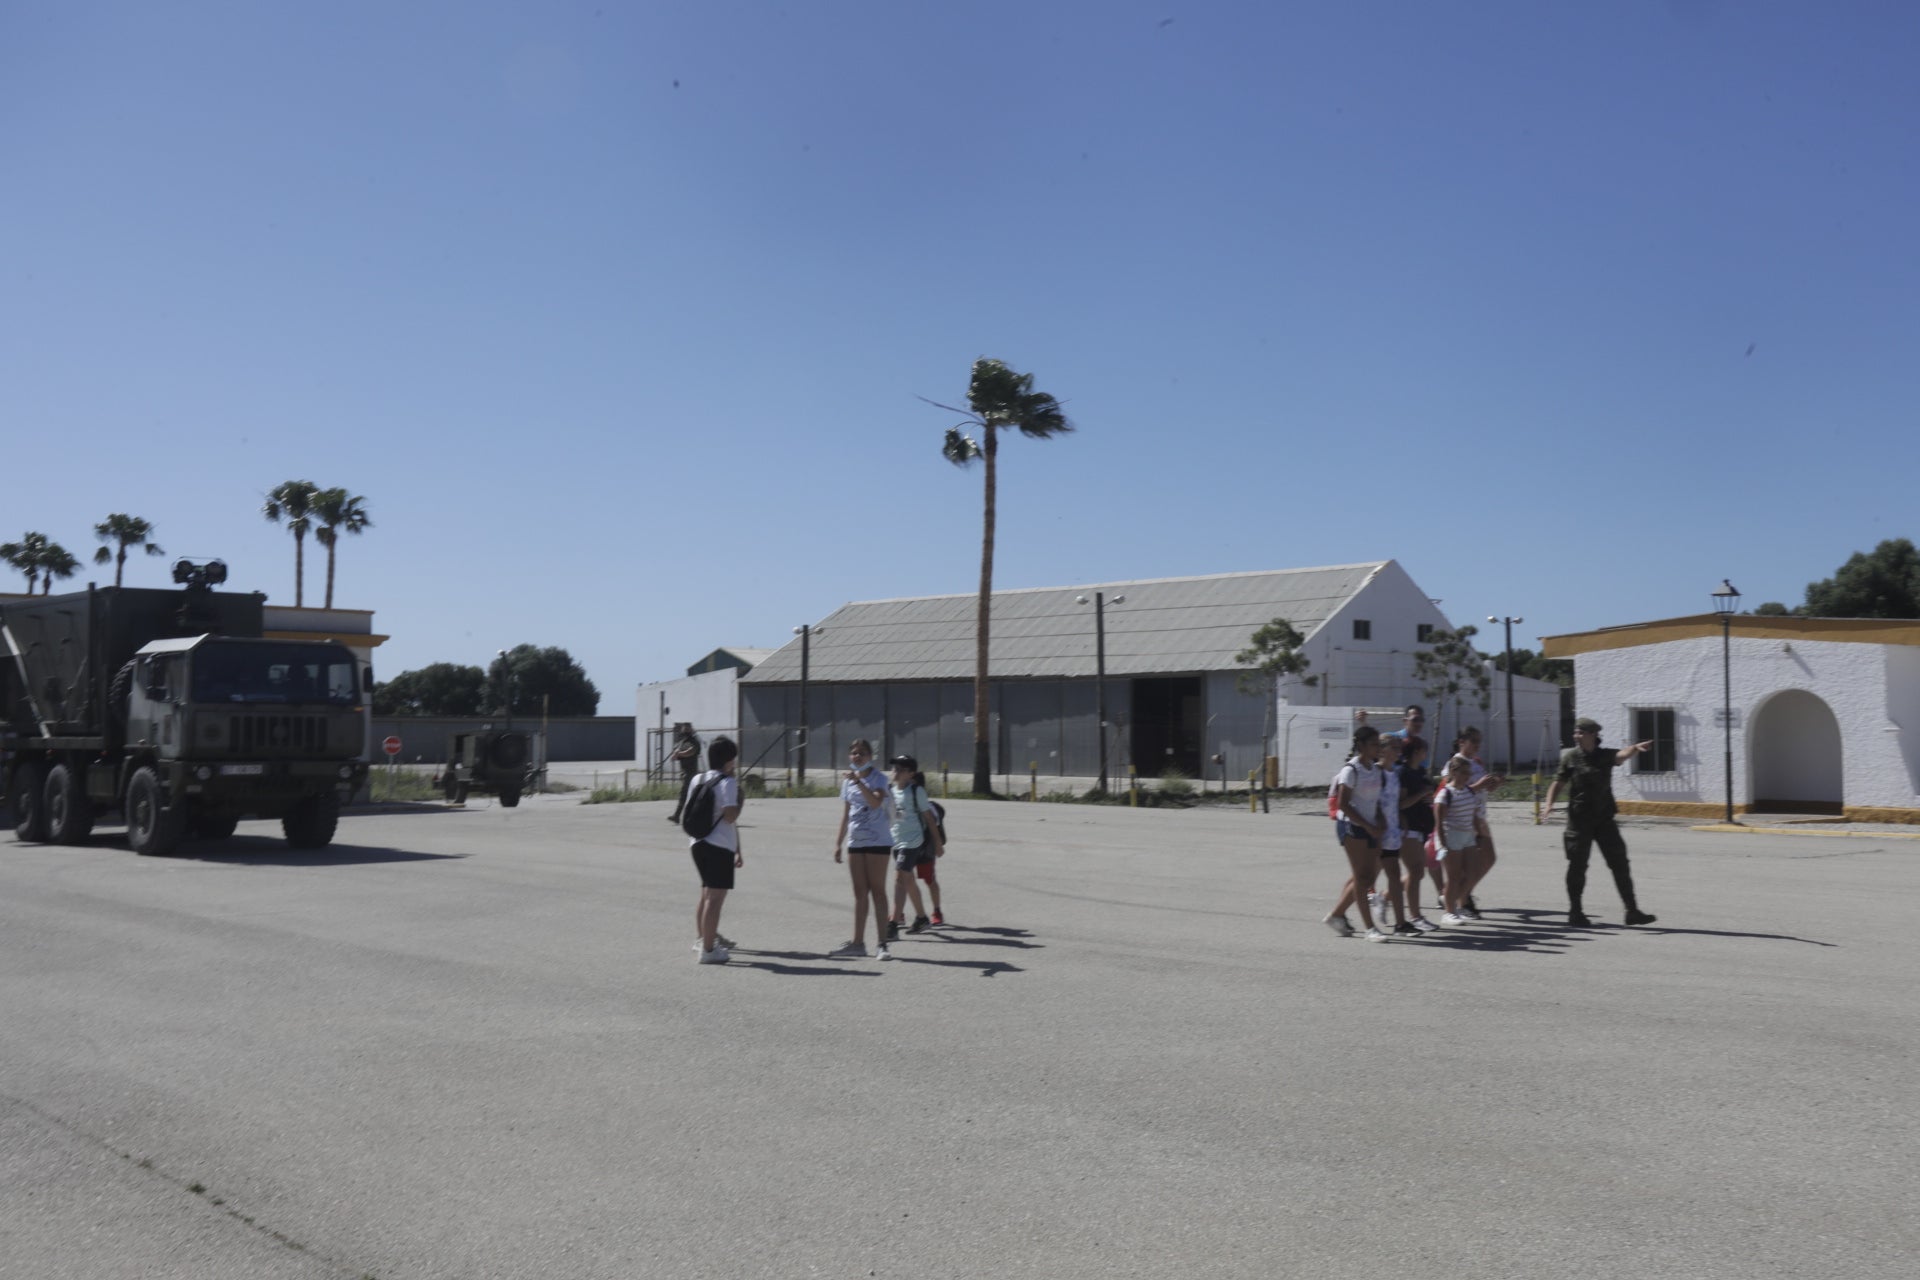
column 1394, row 817
column 887, row 821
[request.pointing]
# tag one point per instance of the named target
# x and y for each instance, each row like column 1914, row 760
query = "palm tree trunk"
column 299, row 568
column 982, row 756
column 119, row 564
column 330, row 546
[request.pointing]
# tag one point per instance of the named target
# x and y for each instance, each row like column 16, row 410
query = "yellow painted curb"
column 1806, row 831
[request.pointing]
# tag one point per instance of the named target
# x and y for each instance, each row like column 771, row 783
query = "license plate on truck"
column 242, row 770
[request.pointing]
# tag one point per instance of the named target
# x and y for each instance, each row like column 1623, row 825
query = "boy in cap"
column 1587, row 769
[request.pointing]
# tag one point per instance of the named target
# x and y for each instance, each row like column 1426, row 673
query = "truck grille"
column 277, row 735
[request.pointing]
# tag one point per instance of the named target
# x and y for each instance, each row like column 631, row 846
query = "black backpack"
column 700, row 817
column 939, row 816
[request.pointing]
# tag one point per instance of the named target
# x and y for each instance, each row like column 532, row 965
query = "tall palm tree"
column 291, row 503
column 997, row 399
column 56, row 562
column 26, row 555
column 336, row 509
column 127, row 531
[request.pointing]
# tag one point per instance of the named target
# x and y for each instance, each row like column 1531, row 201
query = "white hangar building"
column 900, row 673
column 1826, row 713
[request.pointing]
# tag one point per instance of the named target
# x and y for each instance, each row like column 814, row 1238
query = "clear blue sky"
column 616, row 314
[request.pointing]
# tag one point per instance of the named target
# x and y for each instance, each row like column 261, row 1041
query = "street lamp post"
column 1725, row 601
column 1512, row 754
column 506, row 685
column 805, row 632
column 1100, row 672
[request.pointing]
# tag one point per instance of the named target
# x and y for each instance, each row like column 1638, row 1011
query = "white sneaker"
column 1340, row 925
column 716, row 956
column 1424, row 925
column 720, row 940
column 881, row 953
column 1373, row 935
column 1453, row 921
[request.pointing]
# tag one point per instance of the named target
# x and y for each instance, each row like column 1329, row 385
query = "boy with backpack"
column 708, row 818
column 917, row 842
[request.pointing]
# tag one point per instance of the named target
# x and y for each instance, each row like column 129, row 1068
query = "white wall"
column 707, row 701
column 1859, row 683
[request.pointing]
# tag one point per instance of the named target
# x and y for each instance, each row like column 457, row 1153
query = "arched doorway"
column 1795, row 749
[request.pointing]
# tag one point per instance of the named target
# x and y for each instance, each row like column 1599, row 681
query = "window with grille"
column 1655, row 725
column 1362, row 629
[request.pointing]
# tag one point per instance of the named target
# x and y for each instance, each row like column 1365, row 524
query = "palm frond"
column 959, row 448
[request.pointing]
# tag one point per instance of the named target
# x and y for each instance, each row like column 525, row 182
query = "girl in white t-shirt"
column 1359, row 824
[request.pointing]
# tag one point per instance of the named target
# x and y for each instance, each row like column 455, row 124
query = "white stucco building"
column 1826, row 713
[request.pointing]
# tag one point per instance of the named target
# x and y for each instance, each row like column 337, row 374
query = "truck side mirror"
column 366, row 680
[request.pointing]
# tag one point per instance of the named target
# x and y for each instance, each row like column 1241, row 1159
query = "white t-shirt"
column 1390, row 807
column 1365, row 781
column 726, row 794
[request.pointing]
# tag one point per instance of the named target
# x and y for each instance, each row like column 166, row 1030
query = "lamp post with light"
column 1100, row 672
column 1725, row 601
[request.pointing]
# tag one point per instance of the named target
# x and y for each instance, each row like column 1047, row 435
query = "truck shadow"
column 266, row 852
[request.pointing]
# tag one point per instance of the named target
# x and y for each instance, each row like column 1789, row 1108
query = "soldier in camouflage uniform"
column 1587, row 769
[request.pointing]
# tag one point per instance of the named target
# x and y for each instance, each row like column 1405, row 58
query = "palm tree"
column 997, row 398
column 291, row 502
column 128, row 531
column 335, row 509
column 56, row 562
column 26, row 556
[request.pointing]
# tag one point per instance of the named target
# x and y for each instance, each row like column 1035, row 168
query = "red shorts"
column 925, row 871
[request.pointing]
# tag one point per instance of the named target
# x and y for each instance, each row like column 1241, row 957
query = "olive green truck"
column 173, row 712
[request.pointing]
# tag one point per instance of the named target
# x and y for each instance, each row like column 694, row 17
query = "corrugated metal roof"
column 1166, row 625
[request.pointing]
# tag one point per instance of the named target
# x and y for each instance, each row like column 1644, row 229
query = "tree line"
column 523, row 681
column 302, row 506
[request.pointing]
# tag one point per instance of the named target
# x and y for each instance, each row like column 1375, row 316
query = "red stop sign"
column 391, row 745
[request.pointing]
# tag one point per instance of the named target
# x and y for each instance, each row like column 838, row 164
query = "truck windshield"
column 230, row 671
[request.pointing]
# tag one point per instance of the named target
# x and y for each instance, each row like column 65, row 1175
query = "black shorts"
column 882, row 849
column 908, row 859
column 715, row 865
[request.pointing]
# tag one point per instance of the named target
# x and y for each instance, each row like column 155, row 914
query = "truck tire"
column 509, row 752
column 209, row 826
column 152, row 829
column 311, row 823
column 450, row 784
column 69, row 812
column 29, row 803
column 509, row 797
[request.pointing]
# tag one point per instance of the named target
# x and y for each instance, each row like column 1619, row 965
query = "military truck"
column 171, row 709
column 490, row 759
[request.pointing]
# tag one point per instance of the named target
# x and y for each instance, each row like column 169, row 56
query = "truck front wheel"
column 152, row 829
column 69, row 812
column 30, row 802
column 509, row 797
column 311, row 823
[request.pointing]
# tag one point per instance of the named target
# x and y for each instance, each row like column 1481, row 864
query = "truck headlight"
column 346, row 771
column 203, row 773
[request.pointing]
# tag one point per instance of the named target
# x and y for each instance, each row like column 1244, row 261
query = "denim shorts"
column 1345, row 831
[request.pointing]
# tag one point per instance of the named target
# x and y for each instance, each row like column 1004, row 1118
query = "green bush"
column 402, row 784
column 1175, row 785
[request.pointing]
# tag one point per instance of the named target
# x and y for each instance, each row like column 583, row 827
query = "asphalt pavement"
column 474, row 1043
